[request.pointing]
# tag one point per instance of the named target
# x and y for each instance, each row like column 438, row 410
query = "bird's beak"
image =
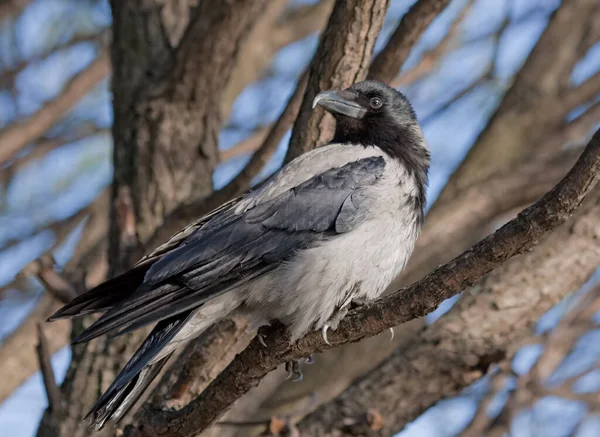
column 340, row 102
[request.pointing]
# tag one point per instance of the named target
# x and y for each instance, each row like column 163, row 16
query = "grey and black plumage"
column 333, row 226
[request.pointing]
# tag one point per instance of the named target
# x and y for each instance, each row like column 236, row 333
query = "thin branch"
column 517, row 236
column 17, row 357
column 530, row 387
column 298, row 22
column 12, row 7
column 575, row 132
column 47, row 145
column 54, row 282
column 14, row 137
column 247, row 145
column 8, row 75
column 387, row 63
column 52, row 390
column 582, row 94
column 432, row 57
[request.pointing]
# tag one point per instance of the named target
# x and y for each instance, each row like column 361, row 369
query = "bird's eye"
column 375, row 103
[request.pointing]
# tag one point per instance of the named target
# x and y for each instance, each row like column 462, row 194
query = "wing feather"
column 233, row 248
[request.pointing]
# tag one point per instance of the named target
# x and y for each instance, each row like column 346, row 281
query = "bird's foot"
column 293, row 370
column 309, row 359
column 333, row 322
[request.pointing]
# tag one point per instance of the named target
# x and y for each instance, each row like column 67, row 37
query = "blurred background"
column 56, row 166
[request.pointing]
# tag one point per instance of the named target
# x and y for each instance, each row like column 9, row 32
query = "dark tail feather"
column 137, row 374
column 105, row 295
column 114, row 405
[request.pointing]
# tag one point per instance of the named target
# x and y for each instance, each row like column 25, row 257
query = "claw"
column 309, row 360
column 293, row 369
column 324, row 334
column 261, row 340
column 392, row 334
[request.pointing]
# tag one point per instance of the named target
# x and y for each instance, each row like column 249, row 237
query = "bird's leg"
column 334, row 321
column 293, row 370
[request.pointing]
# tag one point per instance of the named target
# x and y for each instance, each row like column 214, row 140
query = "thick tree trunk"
column 170, row 63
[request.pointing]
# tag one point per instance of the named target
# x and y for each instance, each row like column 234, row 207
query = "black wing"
column 115, row 290
column 231, row 249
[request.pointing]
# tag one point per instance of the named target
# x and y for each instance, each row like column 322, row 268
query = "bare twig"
column 247, row 145
column 515, row 237
column 387, row 63
column 52, row 390
column 18, row 135
column 300, row 21
column 44, row 146
column 576, row 131
column 55, row 283
column 431, row 57
column 12, row 7
column 8, row 75
column 583, row 93
column 532, row 386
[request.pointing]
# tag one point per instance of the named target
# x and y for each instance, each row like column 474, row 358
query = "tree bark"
column 387, row 63
column 167, row 119
column 344, row 55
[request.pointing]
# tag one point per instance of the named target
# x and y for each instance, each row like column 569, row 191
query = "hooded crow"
column 334, row 226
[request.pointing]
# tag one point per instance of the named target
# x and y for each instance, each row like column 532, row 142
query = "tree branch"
column 583, row 93
column 479, row 330
column 52, row 390
column 342, row 58
column 300, row 22
column 12, row 7
column 533, row 105
column 421, row 298
column 45, row 146
column 17, row 357
column 8, row 75
column 461, row 218
column 387, row 63
column 533, row 385
column 18, row 135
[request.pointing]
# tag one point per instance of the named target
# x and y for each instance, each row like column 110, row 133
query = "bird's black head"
column 371, row 113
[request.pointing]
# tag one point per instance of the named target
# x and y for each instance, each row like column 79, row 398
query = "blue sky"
column 74, row 174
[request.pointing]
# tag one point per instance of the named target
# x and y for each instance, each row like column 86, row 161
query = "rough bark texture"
column 517, row 236
column 344, row 56
column 481, row 329
column 167, row 120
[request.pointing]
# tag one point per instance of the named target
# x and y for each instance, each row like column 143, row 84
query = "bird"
column 331, row 228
